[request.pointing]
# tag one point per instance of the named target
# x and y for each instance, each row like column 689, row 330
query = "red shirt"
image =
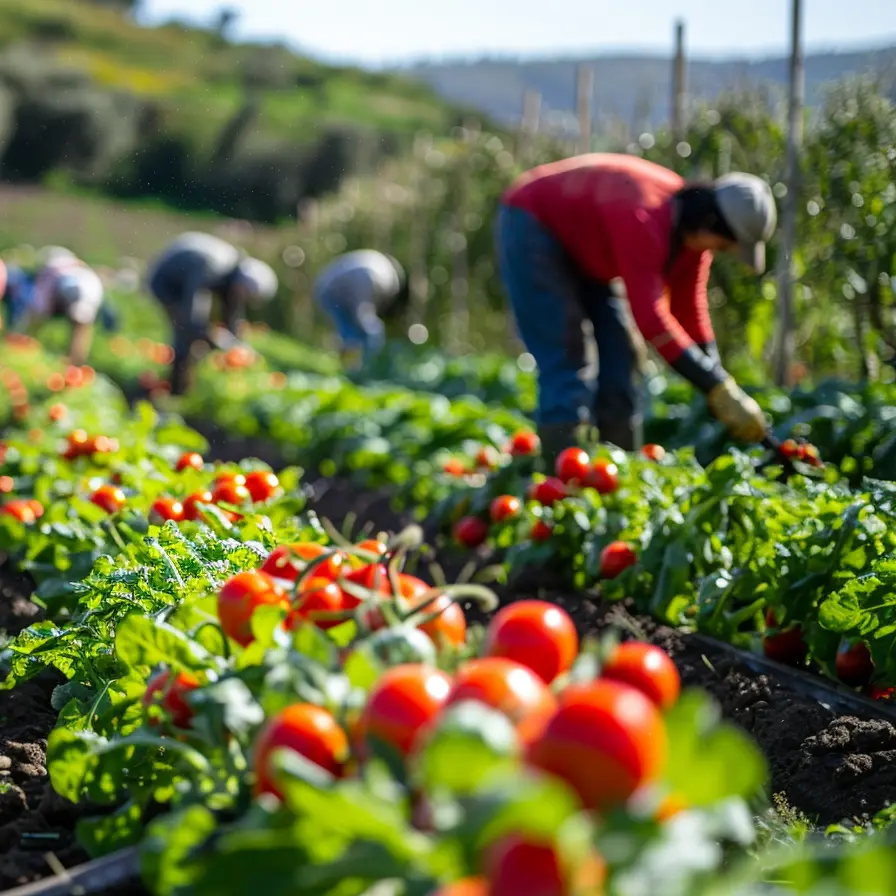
column 613, row 215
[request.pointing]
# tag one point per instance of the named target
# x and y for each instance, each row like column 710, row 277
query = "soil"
column 829, row 765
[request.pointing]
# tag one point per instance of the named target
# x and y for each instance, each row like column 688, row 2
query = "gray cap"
column 748, row 207
column 259, row 278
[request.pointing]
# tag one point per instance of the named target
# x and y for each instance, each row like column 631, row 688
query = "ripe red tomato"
column 171, row 696
column 504, row 507
column 606, row 740
column 109, row 497
column 189, row 461
column 541, row 531
column 230, row 491
column 288, row 560
column 240, row 597
column 191, row 511
column 515, row 865
column 572, row 465
column 509, row 687
column 307, row 730
column 317, row 594
column 405, row 700
column 373, row 576
column 470, row 531
column 373, row 546
column 454, row 466
column 524, row 443
column 535, row 633
column 19, row 510
column 36, row 507
column 854, row 665
column 787, row 646
column 809, row 454
column 7, row 484
column 548, row 492
column 164, row 509
column 647, row 668
column 615, row 558
column 57, row 412
column 230, row 476
column 469, row 886
column 790, row 448
column 603, row 477
column 100, row 445
column 450, row 626
column 487, row 458
column 653, row 452
column 262, row 485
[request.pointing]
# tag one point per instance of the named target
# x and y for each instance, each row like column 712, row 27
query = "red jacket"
column 613, row 215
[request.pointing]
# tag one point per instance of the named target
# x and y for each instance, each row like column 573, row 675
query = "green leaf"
column 141, row 641
column 709, row 760
column 472, row 745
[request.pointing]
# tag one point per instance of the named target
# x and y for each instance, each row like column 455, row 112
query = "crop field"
column 343, row 637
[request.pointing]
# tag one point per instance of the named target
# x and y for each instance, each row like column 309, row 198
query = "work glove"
column 740, row 414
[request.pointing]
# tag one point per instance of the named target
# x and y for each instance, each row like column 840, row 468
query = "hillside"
column 634, row 88
column 184, row 115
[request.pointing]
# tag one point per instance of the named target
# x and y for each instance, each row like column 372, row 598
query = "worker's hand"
column 221, row 338
column 740, row 414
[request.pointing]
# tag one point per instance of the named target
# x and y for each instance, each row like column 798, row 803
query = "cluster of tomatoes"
column 606, row 738
column 228, row 488
column 324, row 586
column 853, row 664
column 25, row 510
column 804, row 451
column 574, row 470
column 79, row 443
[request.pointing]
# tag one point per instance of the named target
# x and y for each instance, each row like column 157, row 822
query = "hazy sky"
column 381, row 31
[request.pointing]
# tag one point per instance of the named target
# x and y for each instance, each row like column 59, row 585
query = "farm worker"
column 566, row 229
column 186, row 277
column 357, row 290
column 62, row 286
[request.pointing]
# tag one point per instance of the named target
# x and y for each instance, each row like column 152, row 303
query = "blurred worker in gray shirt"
column 187, row 276
column 357, row 290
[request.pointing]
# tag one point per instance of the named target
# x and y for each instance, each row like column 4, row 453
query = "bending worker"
column 568, row 228
column 62, row 286
column 187, row 275
column 357, row 290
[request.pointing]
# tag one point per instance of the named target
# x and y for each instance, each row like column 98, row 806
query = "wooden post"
column 678, row 83
column 418, row 277
column 584, row 97
column 529, row 126
column 785, row 340
column 459, row 329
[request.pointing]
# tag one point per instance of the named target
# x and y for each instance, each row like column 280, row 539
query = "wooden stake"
column 679, row 87
column 785, row 335
column 584, row 97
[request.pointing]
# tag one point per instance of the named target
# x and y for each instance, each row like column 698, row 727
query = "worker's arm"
column 649, row 302
column 688, row 300
column 79, row 346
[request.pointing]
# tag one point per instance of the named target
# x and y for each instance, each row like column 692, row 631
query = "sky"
column 385, row 32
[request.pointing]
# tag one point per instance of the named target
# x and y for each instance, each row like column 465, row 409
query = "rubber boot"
column 554, row 438
column 627, row 434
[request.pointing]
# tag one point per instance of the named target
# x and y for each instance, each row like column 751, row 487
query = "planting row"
column 797, row 568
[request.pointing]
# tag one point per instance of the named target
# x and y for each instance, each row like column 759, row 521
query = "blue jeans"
column 551, row 299
column 358, row 324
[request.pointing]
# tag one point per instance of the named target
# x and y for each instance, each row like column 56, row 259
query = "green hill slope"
column 182, row 114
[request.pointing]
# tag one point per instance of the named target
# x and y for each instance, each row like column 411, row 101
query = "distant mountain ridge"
column 635, row 88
